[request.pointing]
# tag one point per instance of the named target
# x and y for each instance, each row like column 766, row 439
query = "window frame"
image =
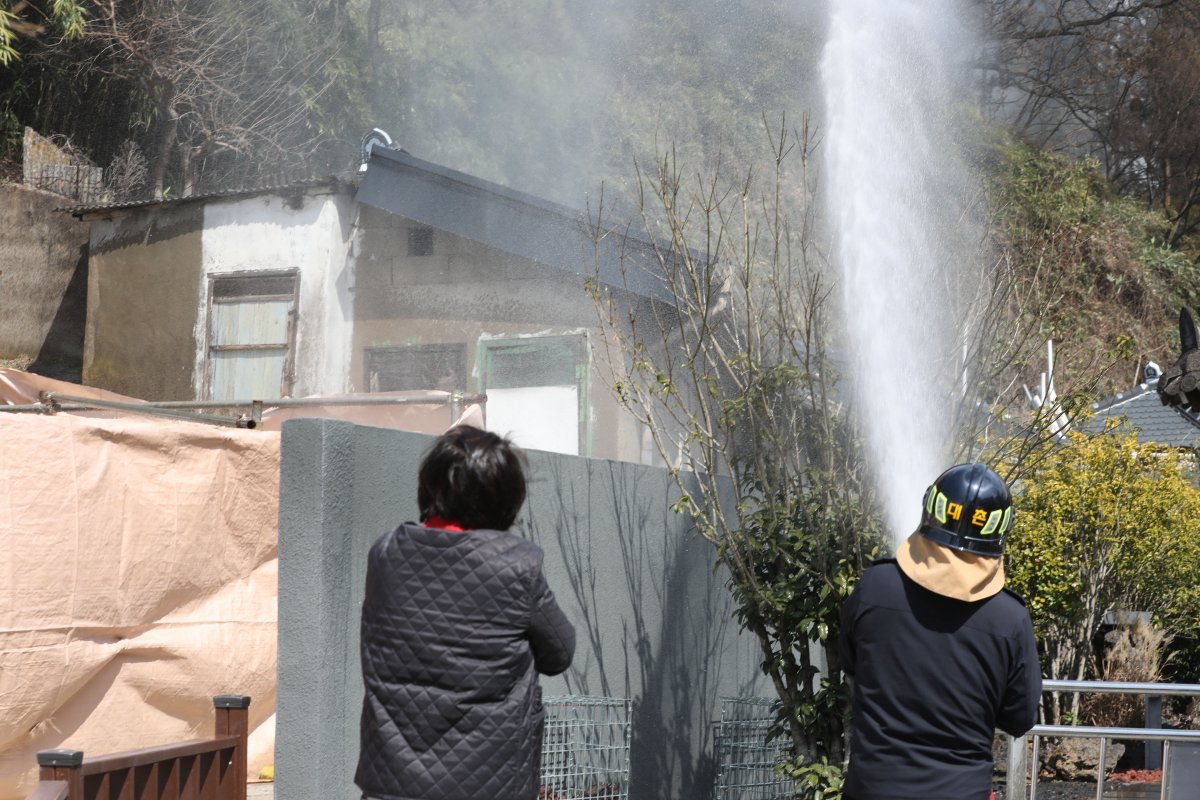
column 576, row 340
column 289, row 361
column 457, row 349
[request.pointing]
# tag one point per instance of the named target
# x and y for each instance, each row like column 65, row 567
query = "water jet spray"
column 899, row 198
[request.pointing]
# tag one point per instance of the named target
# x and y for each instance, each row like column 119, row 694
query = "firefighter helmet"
column 969, row 507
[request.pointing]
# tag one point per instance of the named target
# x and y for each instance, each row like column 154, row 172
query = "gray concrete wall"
column 43, row 282
column 653, row 619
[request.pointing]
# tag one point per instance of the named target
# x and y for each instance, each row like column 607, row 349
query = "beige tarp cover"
column 19, row 388
column 138, row 578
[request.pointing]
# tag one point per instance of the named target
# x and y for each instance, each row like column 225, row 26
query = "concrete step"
column 260, row 791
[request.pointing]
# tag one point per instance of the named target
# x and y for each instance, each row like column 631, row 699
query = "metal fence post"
column 1018, row 768
column 1154, row 720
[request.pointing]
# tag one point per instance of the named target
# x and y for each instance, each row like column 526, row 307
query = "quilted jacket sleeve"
column 551, row 635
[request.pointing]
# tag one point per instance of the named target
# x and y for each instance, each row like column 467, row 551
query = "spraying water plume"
column 900, row 198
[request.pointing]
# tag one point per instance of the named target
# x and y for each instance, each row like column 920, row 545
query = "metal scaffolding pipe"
column 283, row 402
column 53, row 402
column 52, row 399
column 48, row 408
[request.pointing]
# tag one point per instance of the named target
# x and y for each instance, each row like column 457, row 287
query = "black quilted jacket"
column 455, row 628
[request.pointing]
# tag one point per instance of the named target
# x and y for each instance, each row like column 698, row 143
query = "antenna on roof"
column 376, row 137
column 1047, row 398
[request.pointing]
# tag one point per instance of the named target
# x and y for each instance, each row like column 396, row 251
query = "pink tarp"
column 138, row 579
column 138, row 575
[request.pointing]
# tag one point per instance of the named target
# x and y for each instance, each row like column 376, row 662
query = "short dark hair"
column 472, row 477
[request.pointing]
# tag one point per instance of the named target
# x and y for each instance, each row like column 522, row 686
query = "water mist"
column 902, row 206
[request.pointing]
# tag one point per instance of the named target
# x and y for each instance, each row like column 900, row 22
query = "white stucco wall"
column 309, row 232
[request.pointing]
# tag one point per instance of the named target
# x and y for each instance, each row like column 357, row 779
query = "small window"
column 417, row 367
column 280, row 286
column 420, row 241
column 537, row 391
column 251, row 328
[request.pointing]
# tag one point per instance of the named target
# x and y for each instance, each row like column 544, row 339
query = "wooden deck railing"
column 202, row 769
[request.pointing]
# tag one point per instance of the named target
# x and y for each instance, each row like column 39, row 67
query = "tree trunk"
column 166, row 146
column 187, row 171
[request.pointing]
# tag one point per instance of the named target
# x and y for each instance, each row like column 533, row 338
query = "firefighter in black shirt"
column 940, row 653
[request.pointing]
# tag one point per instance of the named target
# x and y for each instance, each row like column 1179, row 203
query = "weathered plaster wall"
column 461, row 279
column 653, row 620
column 143, row 281
column 43, row 282
column 309, row 231
column 463, row 293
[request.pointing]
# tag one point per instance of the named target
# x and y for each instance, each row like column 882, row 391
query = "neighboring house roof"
column 473, row 208
column 1142, row 410
column 508, row 220
column 268, row 187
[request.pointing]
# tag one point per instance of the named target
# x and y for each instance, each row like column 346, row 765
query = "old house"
column 412, row 276
column 1141, row 411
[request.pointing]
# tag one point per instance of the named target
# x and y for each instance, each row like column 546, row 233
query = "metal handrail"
column 1016, row 744
column 1090, row 732
column 1104, row 734
column 1122, row 687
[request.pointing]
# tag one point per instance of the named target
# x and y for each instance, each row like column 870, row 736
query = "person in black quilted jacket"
column 457, row 622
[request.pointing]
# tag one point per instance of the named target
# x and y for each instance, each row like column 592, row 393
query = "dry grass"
column 1135, row 653
column 21, row 362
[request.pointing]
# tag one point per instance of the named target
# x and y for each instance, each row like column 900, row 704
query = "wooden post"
column 233, row 719
column 63, row 765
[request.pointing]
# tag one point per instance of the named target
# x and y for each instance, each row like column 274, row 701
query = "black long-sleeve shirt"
column 933, row 678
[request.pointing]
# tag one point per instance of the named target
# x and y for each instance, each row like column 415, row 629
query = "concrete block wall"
column 653, row 619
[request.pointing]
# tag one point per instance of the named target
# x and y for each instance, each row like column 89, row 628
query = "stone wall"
column 48, row 167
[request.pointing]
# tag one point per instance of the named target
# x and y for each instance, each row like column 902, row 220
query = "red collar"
column 445, row 524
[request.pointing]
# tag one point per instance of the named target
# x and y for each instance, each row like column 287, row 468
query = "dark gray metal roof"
column 1146, row 414
column 508, row 220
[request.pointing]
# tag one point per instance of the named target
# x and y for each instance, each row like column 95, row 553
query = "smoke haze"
column 553, row 97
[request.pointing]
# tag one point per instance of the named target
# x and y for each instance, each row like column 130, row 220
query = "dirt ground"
column 1057, row 790
column 1085, row 790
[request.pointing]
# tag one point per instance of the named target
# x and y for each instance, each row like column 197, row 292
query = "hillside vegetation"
column 1091, row 121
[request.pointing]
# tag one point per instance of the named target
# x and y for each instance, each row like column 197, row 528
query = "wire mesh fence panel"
column 585, row 749
column 746, row 761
